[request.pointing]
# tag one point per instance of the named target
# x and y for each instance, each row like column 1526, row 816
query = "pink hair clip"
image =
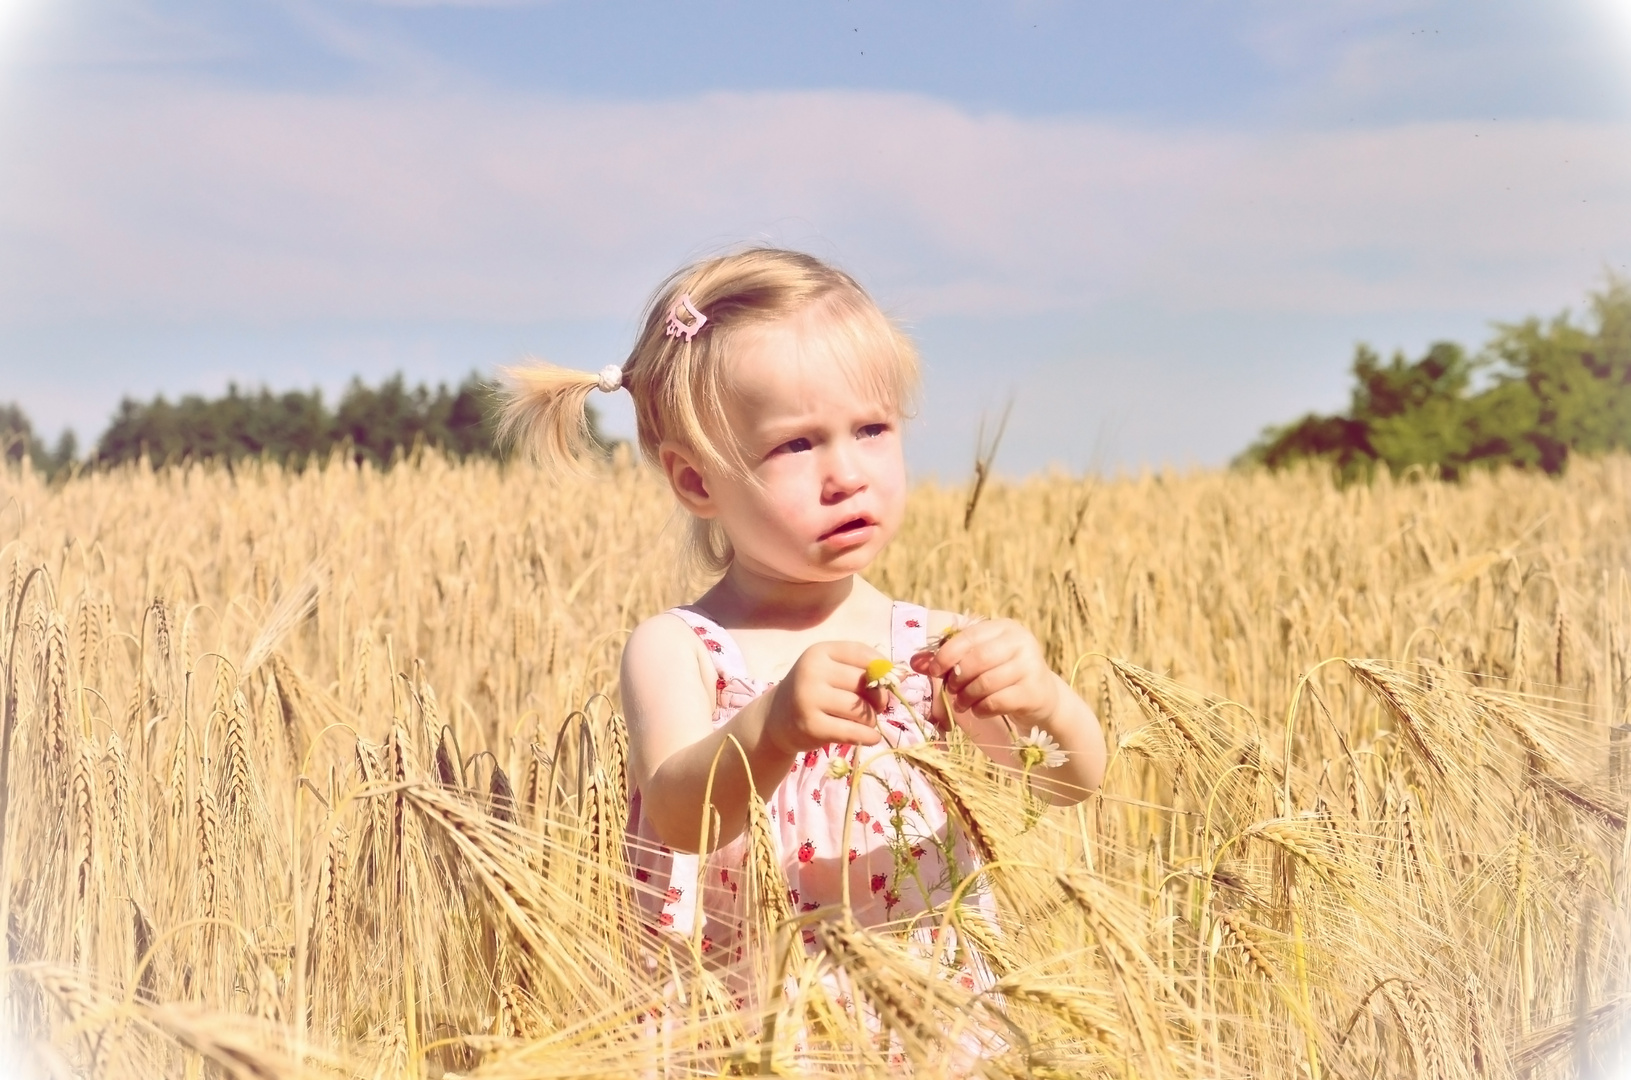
column 676, row 327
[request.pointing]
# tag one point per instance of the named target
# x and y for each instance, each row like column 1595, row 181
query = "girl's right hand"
column 824, row 700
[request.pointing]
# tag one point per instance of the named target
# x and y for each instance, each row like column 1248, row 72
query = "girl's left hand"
column 993, row 668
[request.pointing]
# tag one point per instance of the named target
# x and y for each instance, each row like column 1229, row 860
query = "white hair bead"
column 611, row 377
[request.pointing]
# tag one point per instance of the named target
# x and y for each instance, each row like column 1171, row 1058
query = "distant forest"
column 1539, row 392
column 371, row 424
column 1536, row 394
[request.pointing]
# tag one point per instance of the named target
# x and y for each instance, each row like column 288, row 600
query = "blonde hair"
column 678, row 384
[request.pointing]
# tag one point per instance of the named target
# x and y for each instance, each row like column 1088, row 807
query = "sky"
column 1156, row 227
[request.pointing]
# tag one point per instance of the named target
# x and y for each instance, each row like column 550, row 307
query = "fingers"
column 843, row 731
column 842, row 717
column 850, row 653
column 876, row 697
column 843, row 664
column 845, row 704
column 960, row 661
column 993, row 691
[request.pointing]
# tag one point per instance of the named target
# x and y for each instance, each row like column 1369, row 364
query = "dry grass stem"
column 322, row 774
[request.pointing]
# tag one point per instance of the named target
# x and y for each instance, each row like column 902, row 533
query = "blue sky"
column 1159, row 226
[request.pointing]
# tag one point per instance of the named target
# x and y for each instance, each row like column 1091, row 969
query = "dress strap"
column 722, row 648
column 909, row 631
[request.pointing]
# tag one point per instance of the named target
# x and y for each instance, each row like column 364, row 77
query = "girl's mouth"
column 853, row 527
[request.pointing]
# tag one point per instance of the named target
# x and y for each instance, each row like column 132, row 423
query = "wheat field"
column 321, row 774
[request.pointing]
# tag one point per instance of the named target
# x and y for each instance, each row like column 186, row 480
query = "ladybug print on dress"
column 874, row 815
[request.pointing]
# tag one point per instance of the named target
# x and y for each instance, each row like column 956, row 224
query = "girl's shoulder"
column 663, row 647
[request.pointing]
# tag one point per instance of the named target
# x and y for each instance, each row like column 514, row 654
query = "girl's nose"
column 844, row 476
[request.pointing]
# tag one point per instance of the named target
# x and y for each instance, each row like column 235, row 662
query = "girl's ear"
column 686, row 480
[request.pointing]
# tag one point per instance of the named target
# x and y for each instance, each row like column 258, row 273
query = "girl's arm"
column 668, row 701
column 994, row 669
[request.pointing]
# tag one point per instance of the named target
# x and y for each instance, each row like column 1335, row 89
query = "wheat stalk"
column 1443, row 841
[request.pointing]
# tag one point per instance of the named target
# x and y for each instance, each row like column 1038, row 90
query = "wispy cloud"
column 206, row 204
column 1381, row 60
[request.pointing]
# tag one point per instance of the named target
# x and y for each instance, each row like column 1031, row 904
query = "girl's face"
column 829, row 486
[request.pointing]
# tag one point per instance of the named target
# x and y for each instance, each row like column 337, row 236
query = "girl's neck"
column 747, row 598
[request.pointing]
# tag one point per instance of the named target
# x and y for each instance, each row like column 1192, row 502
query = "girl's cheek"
column 785, row 504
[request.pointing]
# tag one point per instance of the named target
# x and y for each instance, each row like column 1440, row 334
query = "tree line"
column 1537, row 393
column 370, row 423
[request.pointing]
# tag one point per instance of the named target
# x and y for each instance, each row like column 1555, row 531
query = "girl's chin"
column 818, row 567
column 827, row 559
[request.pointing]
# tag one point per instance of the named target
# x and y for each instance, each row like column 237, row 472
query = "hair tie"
column 676, row 326
column 611, row 377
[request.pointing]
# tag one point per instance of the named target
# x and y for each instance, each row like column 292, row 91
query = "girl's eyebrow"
column 781, row 431
column 781, row 437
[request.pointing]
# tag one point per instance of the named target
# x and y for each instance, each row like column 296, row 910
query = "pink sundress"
column 898, row 850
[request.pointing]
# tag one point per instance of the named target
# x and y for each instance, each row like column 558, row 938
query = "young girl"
column 771, row 392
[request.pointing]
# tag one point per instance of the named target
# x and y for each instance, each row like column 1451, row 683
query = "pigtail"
column 545, row 414
column 675, row 372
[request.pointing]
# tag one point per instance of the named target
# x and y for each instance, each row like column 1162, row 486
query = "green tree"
column 18, row 441
column 380, row 421
column 375, row 422
column 231, row 427
column 1555, row 388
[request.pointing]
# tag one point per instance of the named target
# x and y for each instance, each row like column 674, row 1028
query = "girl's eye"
column 797, row 446
column 872, row 431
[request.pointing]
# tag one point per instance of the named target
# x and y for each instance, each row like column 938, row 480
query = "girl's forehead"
column 798, row 363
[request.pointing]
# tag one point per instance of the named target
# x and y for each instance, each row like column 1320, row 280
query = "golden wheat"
column 320, row 773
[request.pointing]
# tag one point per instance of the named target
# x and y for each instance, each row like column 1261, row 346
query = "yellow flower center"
column 879, row 669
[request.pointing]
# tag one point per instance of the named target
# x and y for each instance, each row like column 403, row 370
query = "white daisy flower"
column 881, row 672
column 959, row 623
column 1040, row 748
